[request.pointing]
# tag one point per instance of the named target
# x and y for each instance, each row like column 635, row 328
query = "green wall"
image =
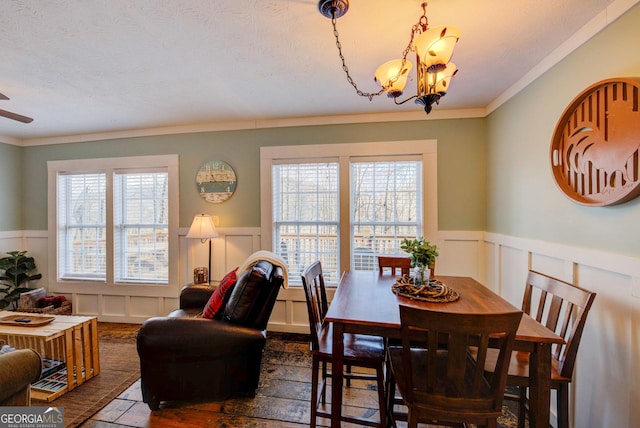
column 461, row 165
column 11, row 184
column 523, row 199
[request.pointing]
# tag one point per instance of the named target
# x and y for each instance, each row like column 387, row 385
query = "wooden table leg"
column 540, row 385
column 69, row 360
column 95, row 351
column 336, row 376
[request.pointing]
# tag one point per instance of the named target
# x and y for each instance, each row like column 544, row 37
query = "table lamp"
column 203, row 228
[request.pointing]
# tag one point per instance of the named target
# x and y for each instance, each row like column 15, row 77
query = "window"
column 141, row 226
column 305, row 214
column 346, row 203
column 114, row 222
column 82, row 225
column 386, row 206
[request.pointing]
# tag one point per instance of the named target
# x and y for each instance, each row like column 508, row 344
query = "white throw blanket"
column 273, row 258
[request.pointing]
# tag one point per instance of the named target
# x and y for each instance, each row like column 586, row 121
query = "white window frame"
column 108, row 165
column 425, row 149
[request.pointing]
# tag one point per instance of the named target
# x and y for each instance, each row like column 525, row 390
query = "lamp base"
column 333, row 8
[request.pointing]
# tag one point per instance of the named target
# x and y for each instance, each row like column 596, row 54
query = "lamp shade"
column 202, row 228
column 435, row 46
column 435, row 80
column 443, row 77
column 392, row 76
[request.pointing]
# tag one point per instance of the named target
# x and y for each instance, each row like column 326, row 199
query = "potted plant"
column 422, row 254
column 15, row 270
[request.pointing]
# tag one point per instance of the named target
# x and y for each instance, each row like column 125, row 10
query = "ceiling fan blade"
column 15, row 116
column 3, row 97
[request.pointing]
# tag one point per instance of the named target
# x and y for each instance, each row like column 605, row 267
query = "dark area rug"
column 119, row 368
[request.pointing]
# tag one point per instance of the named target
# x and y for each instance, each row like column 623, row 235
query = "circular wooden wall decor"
column 594, row 150
column 216, row 181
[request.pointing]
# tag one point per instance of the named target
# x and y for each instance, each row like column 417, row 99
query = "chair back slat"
column 450, row 379
column 394, row 263
column 481, row 358
column 566, row 314
column 316, row 297
column 542, row 303
column 555, row 309
column 456, row 360
column 567, row 317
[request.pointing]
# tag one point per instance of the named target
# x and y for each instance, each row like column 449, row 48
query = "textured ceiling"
column 93, row 66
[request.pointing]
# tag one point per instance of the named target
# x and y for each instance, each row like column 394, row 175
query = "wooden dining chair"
column 439, row 382
column 561, row 307
column 359, row 351
column 394, row 263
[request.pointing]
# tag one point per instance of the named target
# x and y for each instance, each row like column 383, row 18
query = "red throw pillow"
column 216, row 300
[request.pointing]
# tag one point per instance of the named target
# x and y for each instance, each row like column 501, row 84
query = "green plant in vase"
column 422, row 253
column 15, row 271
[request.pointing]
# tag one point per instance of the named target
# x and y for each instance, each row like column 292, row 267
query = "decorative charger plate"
column 435, row 292
column 26, row 320
column 216, row 181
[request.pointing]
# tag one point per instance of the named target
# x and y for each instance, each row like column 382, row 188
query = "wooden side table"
column 72, row 340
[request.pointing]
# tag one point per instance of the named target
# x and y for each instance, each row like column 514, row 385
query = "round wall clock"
column 594, row 150
column 216, row 181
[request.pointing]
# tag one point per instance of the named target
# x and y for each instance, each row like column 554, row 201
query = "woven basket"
column 30, row 298
column 64, row 309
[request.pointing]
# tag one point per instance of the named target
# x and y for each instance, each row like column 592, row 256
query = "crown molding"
column 11, row 140
column 590, row 29
column 254, row 124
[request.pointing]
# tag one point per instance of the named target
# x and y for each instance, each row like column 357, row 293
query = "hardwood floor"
column 282, row 400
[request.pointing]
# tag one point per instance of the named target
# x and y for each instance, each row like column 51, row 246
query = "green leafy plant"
column 421, row 252
column 15, row 271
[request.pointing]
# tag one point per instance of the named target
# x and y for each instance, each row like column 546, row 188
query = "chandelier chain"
column 418, row 28
column 369, row 95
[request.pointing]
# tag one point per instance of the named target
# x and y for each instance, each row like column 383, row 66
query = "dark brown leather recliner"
column 185, row 357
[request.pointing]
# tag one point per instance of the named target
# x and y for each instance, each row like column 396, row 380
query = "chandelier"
column 433, row 48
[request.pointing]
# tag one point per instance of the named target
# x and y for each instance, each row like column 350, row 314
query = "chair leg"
column 347, row 377
column 324, row 382
column 522, row 406
column 315, row 366
column 563, row 405
column 390, row 389
column 412, row 419
column 382, row 404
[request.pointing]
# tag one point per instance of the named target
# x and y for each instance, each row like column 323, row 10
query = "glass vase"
column 418, row 274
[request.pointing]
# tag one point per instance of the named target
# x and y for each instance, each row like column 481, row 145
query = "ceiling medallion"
column 595, row 145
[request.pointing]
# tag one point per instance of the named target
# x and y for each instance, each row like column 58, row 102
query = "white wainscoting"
column 460, row 255
column 605, row 391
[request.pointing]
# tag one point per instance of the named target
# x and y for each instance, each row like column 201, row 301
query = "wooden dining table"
column 364, row 303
